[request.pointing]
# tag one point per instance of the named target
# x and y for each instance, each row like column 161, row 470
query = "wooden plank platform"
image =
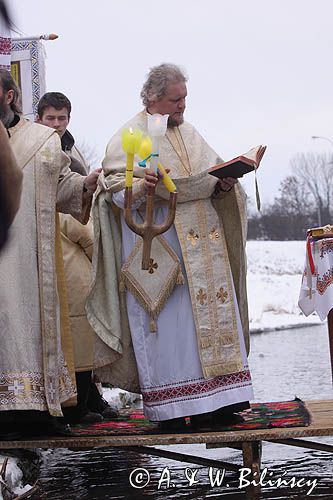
column 322, row 425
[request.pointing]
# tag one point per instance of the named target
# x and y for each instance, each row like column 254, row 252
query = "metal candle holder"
column 147, row 229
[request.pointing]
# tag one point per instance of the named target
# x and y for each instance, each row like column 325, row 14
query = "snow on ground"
column 274, row 278
column 14, row 476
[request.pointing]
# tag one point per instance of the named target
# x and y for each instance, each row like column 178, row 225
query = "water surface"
column 284, row 364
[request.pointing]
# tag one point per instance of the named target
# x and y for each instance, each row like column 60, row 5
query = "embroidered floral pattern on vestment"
column 222, row 295
column 201, row 297
column 214, row 235
column 192, row 237
column 197, row 388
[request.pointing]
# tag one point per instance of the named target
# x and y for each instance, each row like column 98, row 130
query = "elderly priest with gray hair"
column 195, row 362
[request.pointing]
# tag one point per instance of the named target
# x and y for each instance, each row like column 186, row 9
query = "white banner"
column 28, row 70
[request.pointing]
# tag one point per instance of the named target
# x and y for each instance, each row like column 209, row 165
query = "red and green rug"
column 260, row 416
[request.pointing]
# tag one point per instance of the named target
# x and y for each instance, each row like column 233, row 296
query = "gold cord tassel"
column 153, row 325
column 180, row 278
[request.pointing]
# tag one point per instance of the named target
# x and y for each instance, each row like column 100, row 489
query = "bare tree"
column 315, row 171
column 294, row 198
column 292, row 212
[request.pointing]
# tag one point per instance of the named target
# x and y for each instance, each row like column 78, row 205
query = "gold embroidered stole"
column 66, row 338
column 176, row 140
column 32, row 142
column 203, row 244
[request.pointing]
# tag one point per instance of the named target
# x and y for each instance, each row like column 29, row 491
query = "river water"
column 284, row 364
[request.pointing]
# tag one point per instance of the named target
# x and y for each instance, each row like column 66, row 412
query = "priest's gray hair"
column 158, row 79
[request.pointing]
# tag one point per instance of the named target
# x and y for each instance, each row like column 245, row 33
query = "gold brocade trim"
column 208, row 266
column 213, row 371
column 211, row 338
column 230, row 298
column 175, row 138
column 26, row 390
column 66, row 338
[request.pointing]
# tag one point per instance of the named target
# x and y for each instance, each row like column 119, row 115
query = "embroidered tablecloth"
column 316, row 294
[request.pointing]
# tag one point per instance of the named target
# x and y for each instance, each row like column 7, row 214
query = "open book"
column 240, row 165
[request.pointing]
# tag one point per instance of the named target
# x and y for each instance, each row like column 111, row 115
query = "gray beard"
column 173, row 124
column 7, row 117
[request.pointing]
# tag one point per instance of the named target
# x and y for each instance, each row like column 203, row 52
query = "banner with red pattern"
column 5, row 46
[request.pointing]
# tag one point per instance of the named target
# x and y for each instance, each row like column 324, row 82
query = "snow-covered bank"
column 274, row 279
column 13, row 477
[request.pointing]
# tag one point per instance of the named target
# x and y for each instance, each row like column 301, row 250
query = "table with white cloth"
column 316, row 294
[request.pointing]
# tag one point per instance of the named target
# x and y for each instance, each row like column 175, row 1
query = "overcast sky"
column 260, row 71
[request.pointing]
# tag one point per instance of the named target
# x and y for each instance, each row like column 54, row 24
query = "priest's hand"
column 151, row 179
column 90, row 182
column 226, row 184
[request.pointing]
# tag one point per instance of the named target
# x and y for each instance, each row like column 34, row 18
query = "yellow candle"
column 167, row 181
column 131, row 141
column 144, row 151
column 129, row 170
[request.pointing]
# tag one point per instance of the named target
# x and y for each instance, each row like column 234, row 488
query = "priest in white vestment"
column 36, row 362
column 191, row 358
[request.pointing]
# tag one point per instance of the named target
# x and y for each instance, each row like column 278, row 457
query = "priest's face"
column 55, row 118
column 172, row 104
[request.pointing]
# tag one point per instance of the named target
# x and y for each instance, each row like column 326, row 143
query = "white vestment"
column 168, row 361
column 33, row 371
column 196, row 361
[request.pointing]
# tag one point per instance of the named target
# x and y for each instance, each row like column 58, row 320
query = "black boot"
column 173, row 425
column 98, row 404
column 81, row 413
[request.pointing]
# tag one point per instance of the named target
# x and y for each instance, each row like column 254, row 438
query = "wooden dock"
column 248, row 441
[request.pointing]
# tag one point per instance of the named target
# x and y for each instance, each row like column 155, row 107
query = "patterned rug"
column 260, row 416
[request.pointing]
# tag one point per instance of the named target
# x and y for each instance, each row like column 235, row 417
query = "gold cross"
column 222, row 295
column 214, row 234
column 152, row 266
column 192, row 237
column 201, row 296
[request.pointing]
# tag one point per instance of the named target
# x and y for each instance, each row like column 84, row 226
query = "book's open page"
column 256, row 154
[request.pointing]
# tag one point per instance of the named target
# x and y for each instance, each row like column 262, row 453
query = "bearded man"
column 10, row 175
column 36, row 362
column 195, row 363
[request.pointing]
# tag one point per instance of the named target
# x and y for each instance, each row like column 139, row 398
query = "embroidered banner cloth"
column 28, row 70
column 5, row 44
column 316, row 294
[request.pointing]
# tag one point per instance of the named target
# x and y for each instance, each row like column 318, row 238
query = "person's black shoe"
column 91, row 418
column 202, row 422
column 53, row 427
column 110, row 413
column 225, row 419
column 173, row 425
column 58, row 427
